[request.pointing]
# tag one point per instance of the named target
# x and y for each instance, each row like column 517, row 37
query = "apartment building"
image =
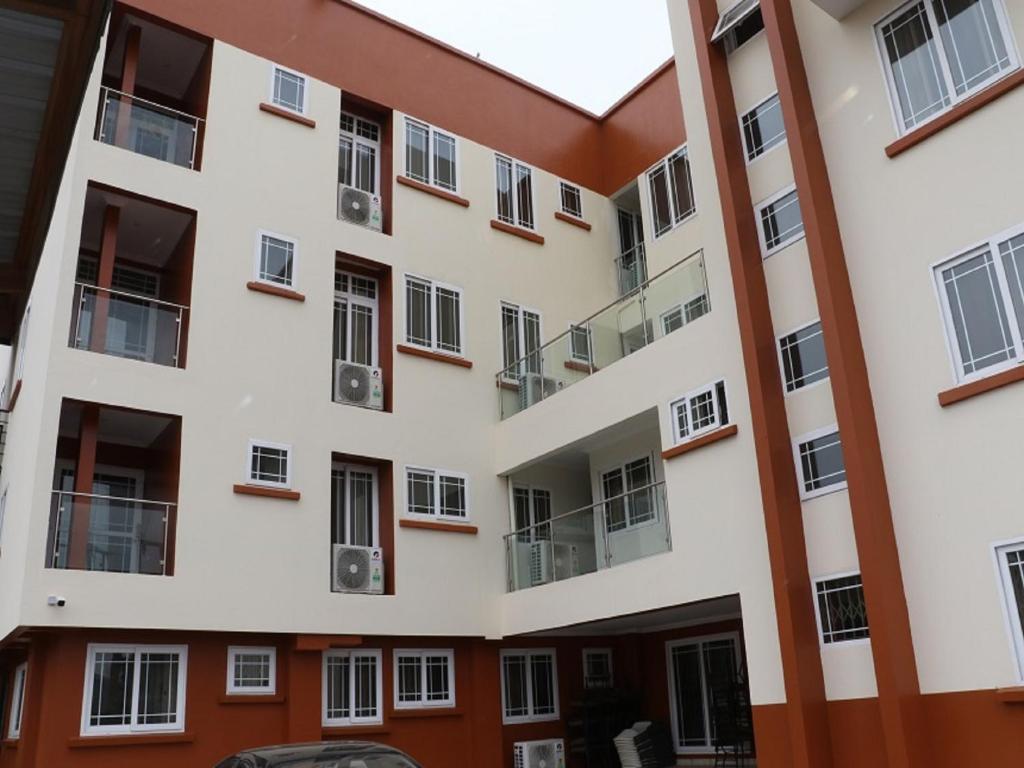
column 366, row 391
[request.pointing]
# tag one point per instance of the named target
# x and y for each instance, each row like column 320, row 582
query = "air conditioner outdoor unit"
column 358, row 207
column 532, row 384
column 357, row 569
column 549, row 753
column 540, row 562
column 567, row 561
column 356, row 384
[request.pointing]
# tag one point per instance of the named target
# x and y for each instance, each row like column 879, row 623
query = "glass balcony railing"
column 89, row 532
column 632, row 269
column 127, row 325
column 609, row 533
column 655, row 308
column 147, row 128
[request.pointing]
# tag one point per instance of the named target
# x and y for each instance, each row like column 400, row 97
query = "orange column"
column 892, row 646
column 85, row 469
column 806, row 709
column 483, row 716
column 304, row 697
column 32, row 704
column 129, row 74
column 104, row 278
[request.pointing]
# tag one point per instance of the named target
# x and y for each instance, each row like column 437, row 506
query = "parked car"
column 324, row 754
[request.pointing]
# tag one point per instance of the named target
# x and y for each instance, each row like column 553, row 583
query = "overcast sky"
column 590, row 52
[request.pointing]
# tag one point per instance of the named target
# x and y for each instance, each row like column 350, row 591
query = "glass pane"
column 682, row 187
column 763, row 127
column 571, row 203
column 521, row 504
column 444, row 161
column 409, row 679
column 781, row 221
column 449, row 332
column 112, row 682
column 289, row 90
column 541, row 514
column 503, row 170
column 364, row 704
column 416, row 137
column 842, row 609
column 453, row 496
column 660, row 210
column 420, row 487
column 640, row 505
column 339, row 516
column 688, row 693
column 338, row 688
column 366, row 168
column 542, row 675
column 276, row 257
column 972, row 40
column 158, row 688
column 914, row 66
column 340, row 329
column 345, row 161
column 362, row 334
column 532, row 341
column 361, row 507
column 516, row 702
column 803, row 357
column 1012, row 253
column 1015, row 564
column 822, row 462
column 524, row 196
column 510, row 339
column 977, row 313
column 418, row 321
column 437, row 678
column 612, row 486
column 251, row 670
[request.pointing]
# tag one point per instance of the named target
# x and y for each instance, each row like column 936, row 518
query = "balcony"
column 115, row 534
column 147, row 128
column 156, row 78
column 631, row 268
column 115, row 490
column 656, row 307
column 133, row 278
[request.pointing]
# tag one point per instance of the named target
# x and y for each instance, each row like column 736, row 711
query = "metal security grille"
column 841, row 609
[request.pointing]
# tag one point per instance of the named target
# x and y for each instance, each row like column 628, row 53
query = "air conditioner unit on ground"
column 357, row 569
column 549, row 753
column 358, row 207
column 531, row 385
column 356, row 384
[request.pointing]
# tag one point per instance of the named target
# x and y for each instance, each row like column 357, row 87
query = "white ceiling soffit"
column 28, row 54
column 838, row 9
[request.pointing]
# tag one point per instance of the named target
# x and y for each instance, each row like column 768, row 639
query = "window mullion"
column 947, row 73
column 1016, row 332
column 423, row 678
column 528, row 667
column 136, row 676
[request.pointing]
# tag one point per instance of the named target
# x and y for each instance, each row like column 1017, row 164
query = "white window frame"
column 520, row 311
column 574, row 354
column 945, row 314
column 607, row 653
column 789, row 240
column 561, row 204
column 305, row 89
column 348, row 469
column 17, row 710
column 531, row 510
column 357, row 139
column 817, row 611
column 677, row 220
column 258, row 266
column 529, row 654
column 698, row 641
column 353, row 299
column 234, row 651
column 620, row 467
column 806, row 495
column 743, row 133
column 434, row 315
column 685, row 399
column 350, row 656
column 437, row 474
column 1005, row 26
column 289, row 457
column 1014, row 622
column 421, row 654
column 431, row 131
column 782, row 365
column 726, row 24
column 137, row 650
column 516, row 212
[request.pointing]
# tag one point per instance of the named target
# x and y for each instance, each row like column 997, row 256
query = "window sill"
column 576, row 365
column 572, row 220
column 273, row 290
column 130, row 740
column 1010, row 695
column 980, row 386
column 273, row 110
column 270, row 493
column 451, row 197
column 251, row 698
column 429, row 354
column 9, row 743
column 13, row 398
column 344, row 731
column 510, row 386
column 956, row 113
column 700, row 442
column 430, row 525
column 427, row 712
column 526, row 234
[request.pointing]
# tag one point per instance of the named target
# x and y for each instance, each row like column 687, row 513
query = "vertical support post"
column 104, row 278
column 85, row 469
column 304, row 717
column 129, row 75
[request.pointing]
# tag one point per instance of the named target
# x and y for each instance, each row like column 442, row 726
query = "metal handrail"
column 115, row 498
column 137, row 296
column 517, row 364
column 638, row 249
column 152, row 104
column 602, row 502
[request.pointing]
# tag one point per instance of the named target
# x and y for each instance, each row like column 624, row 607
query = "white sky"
column 590, row 52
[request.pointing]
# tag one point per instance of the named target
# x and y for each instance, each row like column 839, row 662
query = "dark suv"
column 325, row 754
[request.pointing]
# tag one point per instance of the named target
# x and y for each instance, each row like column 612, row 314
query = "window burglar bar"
column 841, row 609
column 93, row 532
column 147, row 128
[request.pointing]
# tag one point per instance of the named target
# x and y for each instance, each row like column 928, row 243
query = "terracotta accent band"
column 427, row 525
column 131, row 740
column 251, row 699
column 416, row 714
column 264, row 107
column 274, row 290
column 700, row 442
column 12, row 399
column 1010, row 695
column 956, row 114
column 899, row 694
column 323, row 642
column 451, row 197
column 429, row 354
column 806, row 714
column 572, row 220
column 271, row 493
column 355, row 730
column 517, row 231
column 980, row 386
